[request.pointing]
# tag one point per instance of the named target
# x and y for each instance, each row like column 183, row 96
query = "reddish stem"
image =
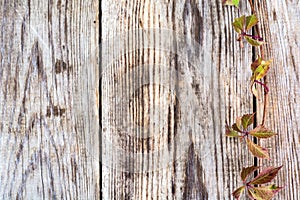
column 256, row 37
column 245, row 134
column 262, row 84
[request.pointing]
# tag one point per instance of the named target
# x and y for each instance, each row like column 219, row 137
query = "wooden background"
column 170, row 74
column 49, row 76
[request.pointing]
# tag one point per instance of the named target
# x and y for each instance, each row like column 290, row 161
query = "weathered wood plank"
column 169, row 81
column 280, row 24
column 48, row 100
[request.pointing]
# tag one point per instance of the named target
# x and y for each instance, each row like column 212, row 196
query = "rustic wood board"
column 49, row 58
column 280, row 24
column 169, row 82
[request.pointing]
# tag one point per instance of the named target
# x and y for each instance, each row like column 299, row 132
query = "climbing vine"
column 258, row 187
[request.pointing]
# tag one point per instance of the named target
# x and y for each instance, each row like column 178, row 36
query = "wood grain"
column 48, row 100
column 171, row 74
column 169, row 82
column 279, row 24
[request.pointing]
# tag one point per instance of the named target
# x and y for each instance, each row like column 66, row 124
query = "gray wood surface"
column 211, row 85
column 169, row 82
column 171, row 74
column 279, row 22
column 48, row 100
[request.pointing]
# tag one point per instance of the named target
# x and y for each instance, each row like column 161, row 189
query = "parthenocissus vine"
column 259, row 187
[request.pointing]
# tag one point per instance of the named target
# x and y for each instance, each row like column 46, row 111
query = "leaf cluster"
column 240, row 130
column 254, row 188
column 244, row 24
column 259, row 69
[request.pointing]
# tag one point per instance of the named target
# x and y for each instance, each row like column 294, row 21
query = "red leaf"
column 246, row 171
column 247, row 120
column 237, row 193
column 262, row 132
column 230, row 132
column 265, row 192
column 257, row 150
column 267, row 175
column 250, row 195
column 236, row 127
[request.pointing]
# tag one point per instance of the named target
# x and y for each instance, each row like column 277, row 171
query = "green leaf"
column 236, row 127
column 254, row 42
column 236, row 2
column 255, row 194
column 246, row 171
column 261, row 72
column 255, row 64
column 251, row 21
column 237, row 193
column 267, row 175
column 262, row 132
column 230, row 132
column 260, row 68
column 257, row 150
column 264, row 192
column 247, row 120
column 231, row 2
column 239, row 24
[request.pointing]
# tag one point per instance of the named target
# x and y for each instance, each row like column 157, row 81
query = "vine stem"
column 262, row 84
column 262, row 56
